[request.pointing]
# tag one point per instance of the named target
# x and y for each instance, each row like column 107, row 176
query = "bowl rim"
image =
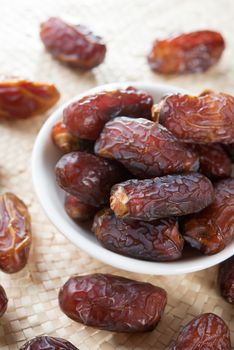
column 94, row 249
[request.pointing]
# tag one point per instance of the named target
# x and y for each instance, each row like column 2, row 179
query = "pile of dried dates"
column 151, row 177
column 155, row 175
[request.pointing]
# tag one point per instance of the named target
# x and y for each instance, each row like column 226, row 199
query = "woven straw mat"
column 128, row 26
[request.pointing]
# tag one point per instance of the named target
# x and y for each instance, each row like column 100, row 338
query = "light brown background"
column 129, row 26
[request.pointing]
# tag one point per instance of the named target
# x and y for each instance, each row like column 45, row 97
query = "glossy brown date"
column 226, row 279
column 45, row 342
column 66, row 142
column 75, row 45
column 156, row 241
column 207, row 331
column 146, row 149
column 77, row 210
column 214, row 161
column 172, row 195
column 198, row 119
column 3, row 301
column 15, row 233
column 212, row 229
column 20, row 98
column 186, row 53
column 88, row 177
column 113, row 303
column 86, row 117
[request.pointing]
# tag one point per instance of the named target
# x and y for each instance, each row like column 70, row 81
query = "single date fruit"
column 66, row 142
column 198, row 119
column 207, row 331
column 77, row 210
column 86, row 117
column 46, row 342
column 172, row 195
column 155, row 241
column 88, row 177
column 226, row 279
column 75, row 45
column 15, row 233
column 212, row 229
column 214, row 161
column 186, row 53
column 146, row 149
column 20, row 98
column 3, row 301
column 112, row 303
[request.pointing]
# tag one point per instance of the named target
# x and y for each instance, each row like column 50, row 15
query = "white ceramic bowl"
column 44, row 158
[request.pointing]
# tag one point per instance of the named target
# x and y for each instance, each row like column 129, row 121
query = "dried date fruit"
column 214, row 162
column 207, row 331
column 171, row 195
column 230, row 150
column 186, row 53
column 146, row 149
column 3, row 301
column 20, row 98
column 66, row 142
column 112, row 303
column 15, row 233
column 226, row 279
column 77, row 210
column 46, row 342
column 88, row 177
column 206, row 92
column 212, row 229
column 86, row 117
column 155, row 241
column 198, row 119
column 75, row 45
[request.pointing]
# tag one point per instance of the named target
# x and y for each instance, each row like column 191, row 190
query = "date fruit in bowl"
column 46, row 155
column 204, row 119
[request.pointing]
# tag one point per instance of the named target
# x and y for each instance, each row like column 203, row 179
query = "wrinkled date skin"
column 226, row 279
column 230, row 150
column 113, row 303
column 172, row 195
column 66, row 142
column 88, row 177
column 77, row 210
column 75, row 45
column 214, row 161
column 212, row 229
column 146, row 149
column 86, row 117
column 207, row 331
column 198, row 119
column 3, row 301
column 45, row 342
column 156, row 241
column 20, row 99
column 15, row 233
column 186, row 53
